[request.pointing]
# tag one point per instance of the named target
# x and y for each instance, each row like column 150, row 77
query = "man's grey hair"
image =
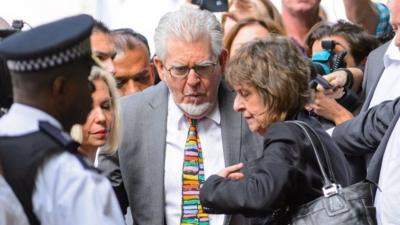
column 123, row 40
column 188, row 24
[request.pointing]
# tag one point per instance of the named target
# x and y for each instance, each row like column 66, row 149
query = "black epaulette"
column 66, row 142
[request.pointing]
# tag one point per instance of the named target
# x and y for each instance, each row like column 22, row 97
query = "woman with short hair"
column 271, row 78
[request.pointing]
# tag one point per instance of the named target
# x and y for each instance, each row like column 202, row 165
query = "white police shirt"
column 65, row 192
column 11, row 211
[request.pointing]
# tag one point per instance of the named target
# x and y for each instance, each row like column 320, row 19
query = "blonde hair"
column 115, row 133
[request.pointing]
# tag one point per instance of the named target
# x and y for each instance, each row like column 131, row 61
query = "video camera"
column 326, row 62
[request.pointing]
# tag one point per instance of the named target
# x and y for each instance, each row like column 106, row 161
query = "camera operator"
column 340, row 52
column 348, row 49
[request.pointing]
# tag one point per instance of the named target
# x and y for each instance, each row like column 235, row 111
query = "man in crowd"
column 298, row 18
column 377, row 132
column 379, row 84
column 377, row 129
column 102, row 46
column 132, row 62
column 372, row 16
column 161, row 169
column 51, row 93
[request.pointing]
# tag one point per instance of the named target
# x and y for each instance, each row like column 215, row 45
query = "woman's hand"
column 232, row 172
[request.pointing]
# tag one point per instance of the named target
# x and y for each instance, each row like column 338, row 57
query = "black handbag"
column 351, row 205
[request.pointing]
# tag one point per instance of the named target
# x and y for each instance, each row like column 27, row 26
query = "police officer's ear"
column 58, row 86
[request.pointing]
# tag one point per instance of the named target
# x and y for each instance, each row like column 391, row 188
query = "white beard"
column 195, row 110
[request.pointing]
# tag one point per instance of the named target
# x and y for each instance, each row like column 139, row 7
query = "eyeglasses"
column 203, row 70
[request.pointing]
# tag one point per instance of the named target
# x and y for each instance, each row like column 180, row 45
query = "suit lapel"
column 230, row 125
column 157, row 111
column 230, row 129
column 374, row 167
column 375, row 75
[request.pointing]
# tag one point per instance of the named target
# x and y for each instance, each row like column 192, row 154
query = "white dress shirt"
column 209, row 131
column 11, row 211
column 65, row 192
column 389, row 83
column 387, row 199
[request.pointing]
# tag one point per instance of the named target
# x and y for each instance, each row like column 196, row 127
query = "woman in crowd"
column 248, row 30
column 270, row 78
column 255, row 9
column 101, row 128
column 357, row 43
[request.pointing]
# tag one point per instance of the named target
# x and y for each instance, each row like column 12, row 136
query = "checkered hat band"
column 53, row 60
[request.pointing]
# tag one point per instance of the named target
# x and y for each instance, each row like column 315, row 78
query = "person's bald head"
column 132, row 62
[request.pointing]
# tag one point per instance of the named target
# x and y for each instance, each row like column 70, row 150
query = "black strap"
column 349, row 77
column 60, row 137
column 305, row 127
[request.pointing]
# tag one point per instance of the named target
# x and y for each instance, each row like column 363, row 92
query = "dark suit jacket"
column 142, row 150
column 369, row 132
column 373, row 72
column 287, row 174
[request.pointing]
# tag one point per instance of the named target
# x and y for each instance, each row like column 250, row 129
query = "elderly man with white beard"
column 161, row 161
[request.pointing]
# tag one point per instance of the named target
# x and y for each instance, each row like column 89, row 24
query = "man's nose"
column 130, row 88
column 193, row 78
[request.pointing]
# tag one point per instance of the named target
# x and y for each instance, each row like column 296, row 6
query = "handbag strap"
column 329, row 186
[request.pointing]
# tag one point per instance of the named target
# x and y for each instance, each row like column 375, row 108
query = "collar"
column 178, row 116
column 22, row 119
column 392, row 54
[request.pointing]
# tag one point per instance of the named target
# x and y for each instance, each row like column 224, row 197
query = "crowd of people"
column 97, row 130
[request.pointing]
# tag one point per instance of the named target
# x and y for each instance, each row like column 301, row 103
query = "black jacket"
column 286, row 174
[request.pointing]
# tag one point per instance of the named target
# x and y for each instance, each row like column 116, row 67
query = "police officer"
column 49, row 68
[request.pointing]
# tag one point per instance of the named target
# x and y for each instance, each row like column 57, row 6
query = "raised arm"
column 363, row 133
column 363, row 13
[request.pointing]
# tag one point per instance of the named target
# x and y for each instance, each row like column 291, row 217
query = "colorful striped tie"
column 192, row 179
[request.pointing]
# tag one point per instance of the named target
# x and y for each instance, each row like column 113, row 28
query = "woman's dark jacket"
column 287, row 174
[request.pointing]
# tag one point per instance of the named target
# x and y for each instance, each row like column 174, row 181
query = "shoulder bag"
column 351, row 205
